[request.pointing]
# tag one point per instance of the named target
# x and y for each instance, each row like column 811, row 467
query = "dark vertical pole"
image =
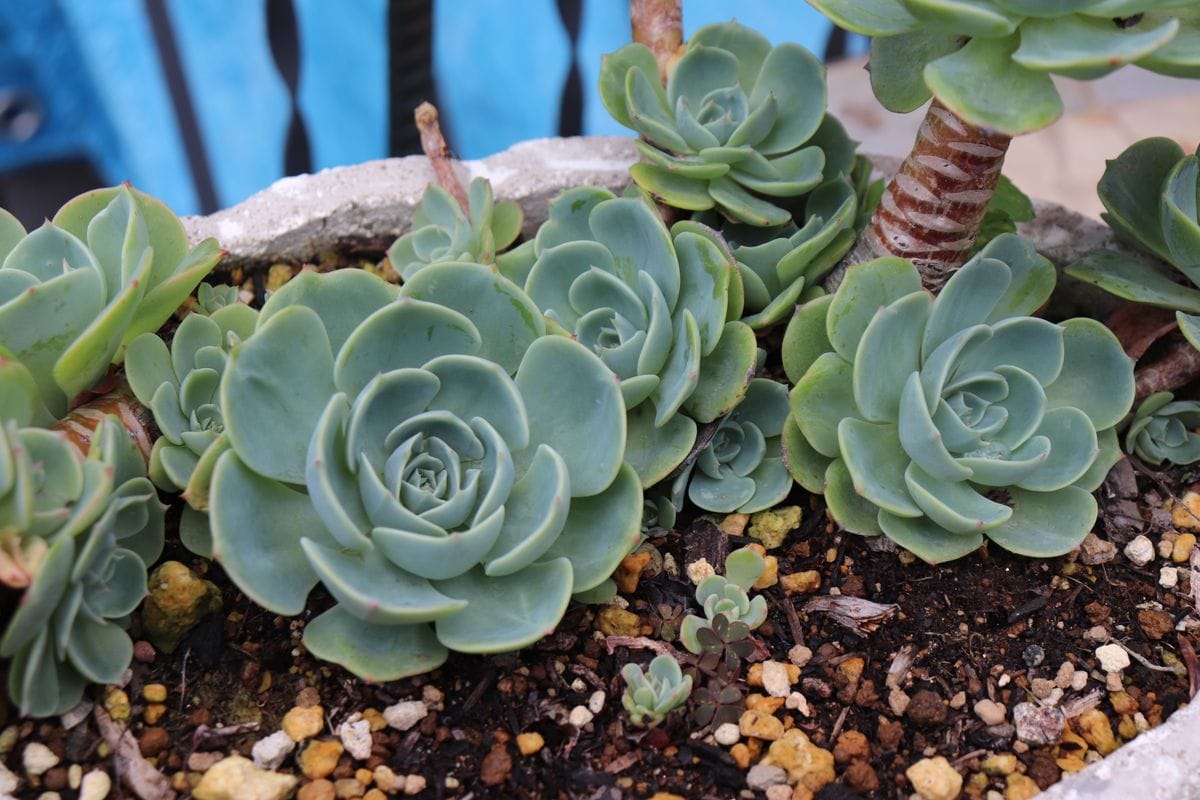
column 283, row 34
column 570, row 110
column 410, row 71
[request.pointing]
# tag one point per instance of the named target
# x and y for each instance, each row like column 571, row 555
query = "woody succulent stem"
column 79, row 426
column 1179, row 367
column 438, row 152
column 658, row 24
column 931, row 210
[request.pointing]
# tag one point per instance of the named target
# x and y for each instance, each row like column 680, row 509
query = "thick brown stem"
column 658, row 24
column 438, row 153
column 79, row 426
column 931, row 210
column 1139, row 326
column 1179, row 367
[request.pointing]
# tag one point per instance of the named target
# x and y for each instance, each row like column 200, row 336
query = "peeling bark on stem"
column 1179, row 367
column 931, row 210
column 80, row 424
column 438, row 153
column 658, row 24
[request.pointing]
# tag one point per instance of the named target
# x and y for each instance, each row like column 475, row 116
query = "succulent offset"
column 443, row 231
column 449, row 473
column 652, row 694
column 1164, row 429
column 114, row 263
column 938, row 421
column 101, row 524
column 660, row 308
column 736, row 127
column 741, row 469
column 991, row 61
column 727, row 596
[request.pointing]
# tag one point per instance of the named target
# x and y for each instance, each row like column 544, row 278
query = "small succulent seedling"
column 987, row 64
column 739, row 121
column 1163, row 429
column 938, row 421
column 727, row 597
column 653, row 694
column 720, row 700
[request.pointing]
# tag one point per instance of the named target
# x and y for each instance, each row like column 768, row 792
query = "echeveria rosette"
column 450, row 474
column 660, row 308
column 1163, row 429
column 938, row 421
column 442, row 231
column 180, row 387
column 114, row 263
column 732, row 127
column 102, row 524
column 991, row 61
column 652, row 694
column 741, row 469
column 727, row 595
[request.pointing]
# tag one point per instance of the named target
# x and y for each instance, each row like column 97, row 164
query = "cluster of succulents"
column 726, row 599
column 938, row 421
column 652, row 694
column 1163, row 429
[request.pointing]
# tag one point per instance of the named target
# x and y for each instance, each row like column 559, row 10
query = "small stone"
column 775, row 679
column 958, row 701
column 49, row 796
column 375, row 794
column 496, row 766
column 1041, row 687
column 898, row 701
column 935, row 779
column 386, row 779
column 153, row 713
column 800, row 655
column 772, row 527
column 356, row 738
column 798, row 702
column 1020, row 787
column 926, row 708
column 991, row 712
column 1181, row 551
column 1066, row 674
column 1168, row 577
column 317, row 790
column 153, row 741
column 613, row 621
column 734, row 524
column 629, row 571
column 530, row 743
column 143, row 652
column 580, row 716
column 96, row 785
column 8, row 739
column 805, row 582
column 269, row 753
column 432, row 697
column 415, row 784
column 727, row 734
column 763, row 776
column 740, row 754
column 154, row 693
column 770, row 575
column 320, row 758
column 596, row 701
column 1140, row 550
column 760, row 725
column 1079, row 680
column 999, row 765
column 1112, row 657
column 405, row 714
column 74, row 776
column 860, row 776
column 236, row 778
column 780, row 791
column 1112, row 682
column 36, row 758
column 851, row 745
column 1033, row 655
column 1096, row 633
column 1185, row 513
column 699, row 570
column 178, row 600
column 303, row 723
column 1094, row 727
column 808, row 766
column 81, row 711
column 1093, row 550
column 1155, row 623
column 1038, row 724
column 1123, row 703
column 116, row 703
column 201, row 761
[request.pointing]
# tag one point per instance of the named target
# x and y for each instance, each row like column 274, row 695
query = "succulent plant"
column 1163, row 429
column 450, row 474
column 114, row 263
column 727, row 596
column 660, row 308
column 741, row 469
column 180, row 387
column 737, row 123
column 443, row 231
column 937, row 421
column 102, row 524
column 653, row 694
column 658, row 513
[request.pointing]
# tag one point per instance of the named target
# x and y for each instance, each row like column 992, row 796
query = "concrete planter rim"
column 297, row 219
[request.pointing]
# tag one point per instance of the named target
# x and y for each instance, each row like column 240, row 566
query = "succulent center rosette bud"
column 1164, row 429
column 938, row 421
column 450, row 474
column 652, row 694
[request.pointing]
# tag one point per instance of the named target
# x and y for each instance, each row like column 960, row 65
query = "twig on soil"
column 135, row 771
column 611, row 643
column 1148, row 664
column 859, row 615
column 1192, row 663
column 965, row 757
column 183, row 678
column 901, row 664
column 837, row 726
column 1194, row 563
column 1179, row 367
column 478, row 691
column 622, row 763
column 436, row 150
column 1077, row 705
column 793, row 620
column 209, row 738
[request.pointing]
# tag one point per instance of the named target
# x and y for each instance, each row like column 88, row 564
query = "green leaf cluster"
column 938, row 421
column 652, row 694
column 727, row 596
column 1163, row 429
column 991, row 61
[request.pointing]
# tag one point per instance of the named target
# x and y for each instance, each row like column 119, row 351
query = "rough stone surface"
column 178, row 600
column 1140, row 550
column 36, row 758
column 764, row 776
column 405, row 714
column 1038, row 724
column 1113, row 657
column 236, row 778
column 96, row 785
column 270, row 752
column 356, row 738
column 935, row 779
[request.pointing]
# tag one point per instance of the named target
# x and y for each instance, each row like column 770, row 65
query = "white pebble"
column 49, row 796
column 991, row 712
column 1066, row 674
column 74, row 776
column 95, row 786
column 800, row 655
column 37, row 758
column 76, row 715
column 596, row 701
column 669, row 565
column 580, row 716
column 1140, row 550
column 1079, row 680
column 775, row 679
column 798, row 702
column 405, row 714
column 356, row 738
column 415, row 784
column 1097, row 633
column 8, row 781
column 727, row 734
column 269, row 753
column 1113, row 657
column 1168, row 577
column 699, row 570
column 780, row 791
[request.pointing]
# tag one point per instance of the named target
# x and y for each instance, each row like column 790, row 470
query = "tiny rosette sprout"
column 741, row 469
column 651, row 695
column 735, row 124
column 938, row 421
column 991, row 61
column 102, row 524
column 180, row 387
column 449, row 473
column 728, row 596
column 443, row 231
column 113, row 264
column 1163, row 429
column 660, row 308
